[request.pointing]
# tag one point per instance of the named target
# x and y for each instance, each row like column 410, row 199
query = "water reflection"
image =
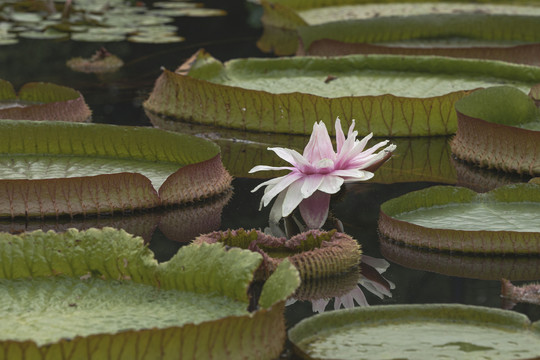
column 479, row 266
column 180, row 224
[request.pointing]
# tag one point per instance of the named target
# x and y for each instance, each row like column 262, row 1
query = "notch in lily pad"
column 446, row 218
column 58, row 168
column 42, row 101
column 103, row 289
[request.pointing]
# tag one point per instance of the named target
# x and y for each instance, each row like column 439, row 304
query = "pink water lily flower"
column 319, row 172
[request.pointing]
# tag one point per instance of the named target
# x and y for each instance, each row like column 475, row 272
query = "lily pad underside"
column 56, row 168
column 100, row 294
column 417, row 332
column 42, row 101
column 499, row 128
column 316, row 254
column 502, row 221
column 387, row 95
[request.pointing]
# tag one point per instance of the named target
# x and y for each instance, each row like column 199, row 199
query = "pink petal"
column 284, row 182
column 292, row 199
column 331, row 184
column 319, row 145
column 314, row 209
column 270, row 182
column 340, row 137
column 276, row 212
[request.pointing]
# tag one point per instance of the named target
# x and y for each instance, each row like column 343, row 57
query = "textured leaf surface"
column 503, row 220
column 499, row 128
column 416, row 332
column 387, row 95
column 99, row 294
column 42, row 101
column 57, row 168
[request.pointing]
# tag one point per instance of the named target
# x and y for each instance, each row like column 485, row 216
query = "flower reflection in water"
column 371, row 279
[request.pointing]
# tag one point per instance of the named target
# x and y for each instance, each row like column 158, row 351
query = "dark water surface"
column 419, row 277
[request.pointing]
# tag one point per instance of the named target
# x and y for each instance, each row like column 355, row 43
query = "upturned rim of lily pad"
column 316, row 254
column 317, row 328
column 490, row 131
column 459, row 241
column 200, row 173
column 43, row 101
column 193, row 93
column 114, row 255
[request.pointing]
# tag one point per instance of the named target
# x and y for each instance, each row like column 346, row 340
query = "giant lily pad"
column 504, row 220
column 387, row 95
column 499, row 128
column 475, row 35
column 42, row 101
column 64, row 294
column 316, row 254
column 281, row 19
column 57, row 168
column 417, row 332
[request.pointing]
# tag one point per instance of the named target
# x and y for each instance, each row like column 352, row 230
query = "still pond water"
column 419, row 277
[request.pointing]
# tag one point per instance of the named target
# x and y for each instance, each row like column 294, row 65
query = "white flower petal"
column 331, row 184
column 291, row 156
column 268, row 183
column 293, row 197
column 275, row 212
column 266, row 167
column 311, row 184
column 378, row 263
column 353, row 174
column 280, row 186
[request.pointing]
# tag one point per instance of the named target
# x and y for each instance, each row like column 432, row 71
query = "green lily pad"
column 63, row 293
column 387, row 95
column 499, row 128
column 504, row 220
column 42, row 101
column 475, row 35
column 318, row 19
column 417, row 332
column 57, row 168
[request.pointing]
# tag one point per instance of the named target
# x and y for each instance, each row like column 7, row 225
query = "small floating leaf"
column 101, row 62
column 504, row 220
